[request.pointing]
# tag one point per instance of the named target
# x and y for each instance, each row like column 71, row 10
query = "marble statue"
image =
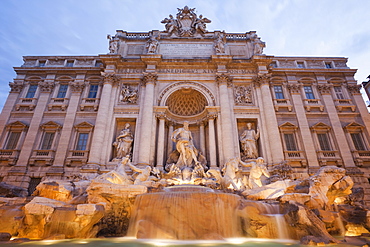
column 220, row 44
column 113, row 44
column 152, row 44
column 258, row 168
column 171, row 24
column 200, row 24
column 248, row 140
column 123, row 142
column 143, row 174
column 185, row 146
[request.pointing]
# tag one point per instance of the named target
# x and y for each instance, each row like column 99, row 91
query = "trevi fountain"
column 188, row 202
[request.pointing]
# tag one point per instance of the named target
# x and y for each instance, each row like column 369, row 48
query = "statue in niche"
column 248, row 140
column 184, row 145
column 258, row 168
column 123, row 142
column 113, row 44
column 220, row 43
column 243, row 95
column 128, row 95
column 152, row 44
column 171, row 24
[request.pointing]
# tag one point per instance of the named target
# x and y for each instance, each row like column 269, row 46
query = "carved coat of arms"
column 186, row 24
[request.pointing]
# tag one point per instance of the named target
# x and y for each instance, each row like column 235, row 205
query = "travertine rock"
column 7, row 190
column 60, row 190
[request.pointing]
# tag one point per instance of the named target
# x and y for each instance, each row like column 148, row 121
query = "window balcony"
column 77, row 156
column 9, row 155
column 295, row 157
column 361, row 156
column 89, row 103
column 27, row 104
column 282, row 103
column 341, row 104
column 43, row 156
column 58, row 103
column 329, row 156
column 313, row 103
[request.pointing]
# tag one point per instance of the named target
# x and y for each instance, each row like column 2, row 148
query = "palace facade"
column 64, row 114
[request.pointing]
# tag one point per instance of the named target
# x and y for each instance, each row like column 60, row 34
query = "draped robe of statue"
column 185, row 146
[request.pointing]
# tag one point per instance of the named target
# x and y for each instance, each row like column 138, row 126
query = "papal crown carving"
column 186, row 24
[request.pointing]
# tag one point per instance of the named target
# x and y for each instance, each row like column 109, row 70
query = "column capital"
column 77, row 86
column 46, row 86
column 149, row 78
column 294, row 88
column 261, row 79
column 324, row 88
column 161, row 115
column 110, row 78
column 354, row 89
column 15, row 87
column 223, row 78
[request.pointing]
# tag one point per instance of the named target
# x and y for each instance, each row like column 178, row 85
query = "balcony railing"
column 26, row 103
column 79, row 156
column 344, row 103
column 58, row 103
column 282, row 103
column 313, row 103
column 89, row 102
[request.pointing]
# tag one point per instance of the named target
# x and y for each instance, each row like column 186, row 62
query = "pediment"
column 288, row 125
column 17, row 124
column 84, row 125
column 320, row 125
column 354, row 126
column 51, row 125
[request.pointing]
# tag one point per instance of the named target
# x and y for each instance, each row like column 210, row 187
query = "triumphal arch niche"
column 186, row 73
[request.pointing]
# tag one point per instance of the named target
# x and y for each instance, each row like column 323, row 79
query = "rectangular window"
column 69, row 64
column 338, row 92
column 82, row 141
column 279, row 92
column 358, row 142
column 324, row 142
column 31, row 91
column 93, row 91
column 309, row 93
column 290, row 142
column 12, row 141
column 300, row 64
column 62, row 91
column 328, row 65
column 47, row 141
column 42, row 63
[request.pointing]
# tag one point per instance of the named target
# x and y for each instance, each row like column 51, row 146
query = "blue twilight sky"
column 339, row 28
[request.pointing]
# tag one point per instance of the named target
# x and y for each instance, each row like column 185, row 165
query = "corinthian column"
column 101, row 118
column 268, row 113
column 149, row 80
column 228, row 144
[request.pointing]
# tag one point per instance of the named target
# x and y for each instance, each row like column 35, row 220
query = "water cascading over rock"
column 185, row 213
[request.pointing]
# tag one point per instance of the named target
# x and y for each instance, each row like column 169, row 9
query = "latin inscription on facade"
column 186, row 49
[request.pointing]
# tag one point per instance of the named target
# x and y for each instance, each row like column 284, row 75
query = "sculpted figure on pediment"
column 152, row 44
column 220, row 43
column 171, row 24
column 113, row 44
